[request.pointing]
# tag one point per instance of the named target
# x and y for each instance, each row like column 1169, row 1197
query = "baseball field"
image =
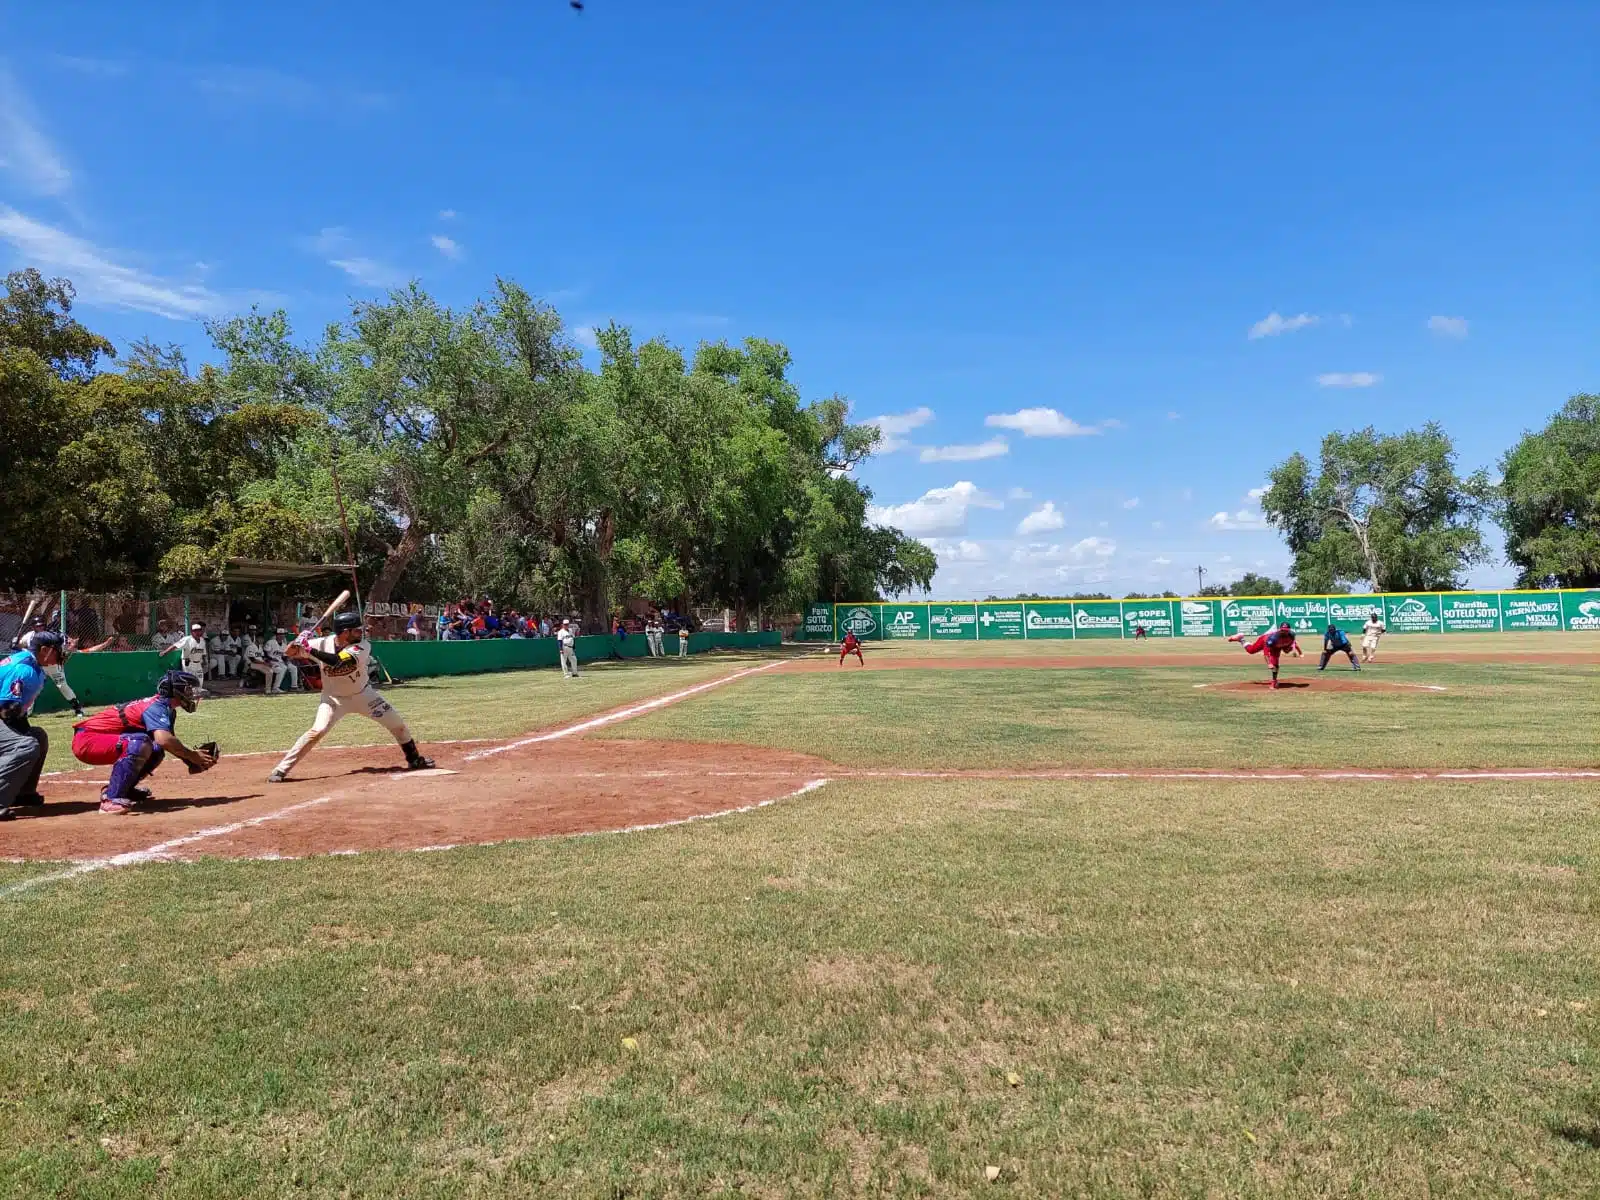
column 1024, row 921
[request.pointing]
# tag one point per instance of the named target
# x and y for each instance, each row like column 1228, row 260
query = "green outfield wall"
column 113, row 678
column 1203, row 616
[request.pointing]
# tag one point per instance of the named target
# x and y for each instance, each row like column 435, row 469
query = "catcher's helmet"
column 346, row 621
column 180, row 686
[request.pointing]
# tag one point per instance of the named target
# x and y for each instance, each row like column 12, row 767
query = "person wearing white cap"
column 276, row 651
column 192, row 650
column 566, row 640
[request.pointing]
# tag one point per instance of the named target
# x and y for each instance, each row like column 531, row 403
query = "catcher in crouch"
column 343, row 658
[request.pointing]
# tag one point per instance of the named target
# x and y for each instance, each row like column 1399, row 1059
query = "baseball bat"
column 339, row 602
column 22, row 628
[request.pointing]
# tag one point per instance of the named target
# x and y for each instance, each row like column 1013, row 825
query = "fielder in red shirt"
column 852, row 645
column 1272, row 645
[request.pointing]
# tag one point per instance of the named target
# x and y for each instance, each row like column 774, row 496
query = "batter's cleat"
column 419, row 763
column 277, row 776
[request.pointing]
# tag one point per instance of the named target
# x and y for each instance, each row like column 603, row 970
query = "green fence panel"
column 1469, row 612
column 1252, row 616
column 1198, row 618
column 1350, row 613
column 818, row 624
column 406, row 659
column 1155, row 616
column 1050, row 620
column 1097, row 618
column 953, row 622
column 1418, row 613
column 106, row 678
column 1580, row 610
column 1305, row 614
column 1530, row 610
column 1000, row 622
column 863, row 620
column 905, row 622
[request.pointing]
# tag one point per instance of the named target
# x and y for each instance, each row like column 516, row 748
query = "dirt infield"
column 1317, row 683
column 1139, row 657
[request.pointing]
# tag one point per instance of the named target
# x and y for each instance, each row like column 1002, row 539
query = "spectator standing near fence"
column 567, row 644
column 683, row 640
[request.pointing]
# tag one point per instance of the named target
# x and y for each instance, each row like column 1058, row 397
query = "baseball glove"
column 206, row 748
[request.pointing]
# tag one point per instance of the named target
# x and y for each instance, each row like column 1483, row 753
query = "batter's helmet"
column 180, row 686
column 345, row 621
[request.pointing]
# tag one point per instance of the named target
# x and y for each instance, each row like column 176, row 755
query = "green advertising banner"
column 953, row 621
column 1580, row 611
column 1350, row 613
column 863, row 620
column 905, row 622
column 1469, row 612
column 818, row 623
column 1097, row 618
column 1248, row 616
column 1050, row 620
column 1000, row 621
column 1529, row 610
column 1153, row 616
column 1305, row 614
column 1198, row 618
column 1412, row 614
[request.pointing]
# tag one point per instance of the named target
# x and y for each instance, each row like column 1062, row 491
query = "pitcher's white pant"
column 333, row 709
column 653, row 639
column 569, row 662
column 271, row 673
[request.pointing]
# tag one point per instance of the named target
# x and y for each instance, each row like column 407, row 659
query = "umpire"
column 22, row 747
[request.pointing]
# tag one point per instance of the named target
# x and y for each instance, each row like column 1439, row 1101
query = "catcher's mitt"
column 206, row 748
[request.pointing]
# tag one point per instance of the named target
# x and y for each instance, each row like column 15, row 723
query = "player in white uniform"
column 222, row 655
column 652, row 634
column 192, row 650
column 566, row 644
column 1370, row 633
column 343, row 658
column 56, row 670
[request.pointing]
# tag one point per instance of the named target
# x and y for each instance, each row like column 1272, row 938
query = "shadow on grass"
column 1579, row 1133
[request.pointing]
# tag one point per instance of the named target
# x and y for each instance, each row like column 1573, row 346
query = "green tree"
column 1550, row 499
column 1251, row 584
column 1388, row 510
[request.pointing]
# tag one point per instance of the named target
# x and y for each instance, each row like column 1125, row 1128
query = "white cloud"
column 1019, row 493
column 1041, row 520
column 1172, row 416
column 993, row 448
column 1161, row 561
column 447, row 214
column 1256, row 493
column 1131, row 502
column 1092, row 549
column 1348, row 379
column 446, row 246
column 24, row 149
column 895, row 426
column 265, row 86
column 1226, row 558
column 99, row 278
column 956, row 550
column 1273, row 324
column 334, row 244
column 1158, row 524
column 1040, row 423
column 584, row 336
column 1245, row 518
column 937, row 511
column 1450, row 327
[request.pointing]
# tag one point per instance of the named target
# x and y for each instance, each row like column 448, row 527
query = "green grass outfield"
column 1103, row 988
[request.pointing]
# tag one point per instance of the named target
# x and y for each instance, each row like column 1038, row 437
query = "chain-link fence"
column 127, row 621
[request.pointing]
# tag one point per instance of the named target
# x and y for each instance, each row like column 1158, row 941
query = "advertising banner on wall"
column 863, row 620
column 1469, row 612
column 1305, row 614
column 1350, row 613
column 1198, row 618
column 1412, row 614
column 1248, row 616
column 818, row 623
column 1580, row 611
column 1153, row 616
column 1529, row 610
column 953, row 622
column 1049, row 620
column 905, row 622
column 1000, row 621
column 1096, row 619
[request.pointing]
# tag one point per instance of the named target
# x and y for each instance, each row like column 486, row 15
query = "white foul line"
column 621, row 715
column 132, row 858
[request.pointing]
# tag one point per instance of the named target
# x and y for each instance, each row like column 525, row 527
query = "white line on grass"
column 133, row 858
column 622, row 714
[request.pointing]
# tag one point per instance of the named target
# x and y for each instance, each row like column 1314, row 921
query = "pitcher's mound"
column 1322, row 683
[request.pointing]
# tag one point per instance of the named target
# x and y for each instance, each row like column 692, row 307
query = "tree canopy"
column 1550, row 491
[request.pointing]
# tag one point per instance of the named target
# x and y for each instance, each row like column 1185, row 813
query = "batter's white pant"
column 569, row 662
column 58, row 676
column 271, row 673
column 333, row 709
column 653, row 638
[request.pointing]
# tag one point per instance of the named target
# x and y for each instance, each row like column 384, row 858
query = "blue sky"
column 1096, row 270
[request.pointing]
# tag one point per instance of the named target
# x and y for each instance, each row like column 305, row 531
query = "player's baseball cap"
column 198, row 625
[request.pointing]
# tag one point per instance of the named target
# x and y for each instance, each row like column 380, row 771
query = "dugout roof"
column 258, row 572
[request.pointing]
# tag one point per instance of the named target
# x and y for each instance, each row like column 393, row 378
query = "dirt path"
column 1138, row 656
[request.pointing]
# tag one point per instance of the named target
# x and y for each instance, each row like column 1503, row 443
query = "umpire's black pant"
column 1327, row 654
column 22, row 752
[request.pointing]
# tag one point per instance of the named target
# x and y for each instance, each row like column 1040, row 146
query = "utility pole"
column 1200, row 579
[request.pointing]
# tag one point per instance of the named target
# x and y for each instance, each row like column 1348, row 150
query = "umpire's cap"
column 48, row 638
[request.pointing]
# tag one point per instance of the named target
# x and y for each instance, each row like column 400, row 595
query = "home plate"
column 426, row 771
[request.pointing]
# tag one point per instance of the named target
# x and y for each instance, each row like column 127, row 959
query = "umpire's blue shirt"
column 21, row 679
column 1335, row 639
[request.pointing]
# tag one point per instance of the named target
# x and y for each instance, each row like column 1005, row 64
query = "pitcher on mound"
column 345, row 690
